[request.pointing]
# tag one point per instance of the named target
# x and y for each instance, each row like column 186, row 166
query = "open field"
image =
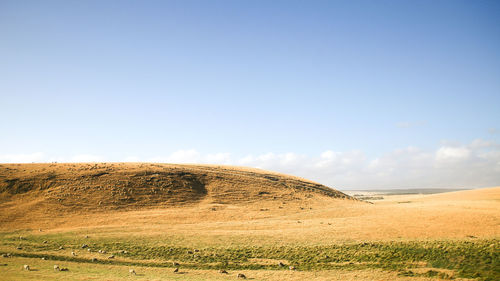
column 241, row 220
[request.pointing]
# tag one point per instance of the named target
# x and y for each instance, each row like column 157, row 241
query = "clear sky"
column 353, row 94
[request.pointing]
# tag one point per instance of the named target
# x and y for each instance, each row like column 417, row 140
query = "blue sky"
column 391, row 86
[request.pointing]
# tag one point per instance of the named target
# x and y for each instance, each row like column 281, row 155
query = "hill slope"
column 491, row 193
column 98, row 186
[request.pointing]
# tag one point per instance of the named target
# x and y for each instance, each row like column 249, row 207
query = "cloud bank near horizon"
column 452, row 165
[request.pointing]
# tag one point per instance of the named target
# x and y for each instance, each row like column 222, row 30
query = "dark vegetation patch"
column 429, row 273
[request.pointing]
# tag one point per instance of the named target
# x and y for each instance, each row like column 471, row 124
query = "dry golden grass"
column 232, row 207
column 489, row 194
column 210, row 206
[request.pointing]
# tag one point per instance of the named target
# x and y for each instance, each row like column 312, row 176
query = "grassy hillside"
column 205, row 218
column 87, row 188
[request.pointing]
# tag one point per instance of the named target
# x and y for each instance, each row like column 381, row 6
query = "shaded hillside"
column 97, row 186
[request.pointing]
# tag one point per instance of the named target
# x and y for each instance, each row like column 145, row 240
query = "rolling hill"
column 96, row 187
column 100, row 220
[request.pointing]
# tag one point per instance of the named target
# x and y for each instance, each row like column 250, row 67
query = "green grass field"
column 448, row 259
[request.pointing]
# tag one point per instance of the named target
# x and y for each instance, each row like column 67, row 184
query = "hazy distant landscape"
column 378, row 194
column 402, row 191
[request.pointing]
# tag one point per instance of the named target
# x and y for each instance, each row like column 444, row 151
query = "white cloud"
column 476, row 164
column 132, row 159
column 452, row 153
column 86, row 158
column 183, row 156
column 408, row 125
column 479, row 143
column 40, row 157
column 451, row 165
column 193, row 156
column 288, row 162
column 326, row 159
column 22, row 158
column 494, row 131
column 218, row 158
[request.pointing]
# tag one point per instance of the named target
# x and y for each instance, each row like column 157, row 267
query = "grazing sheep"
column 241, row 275
column 131, row 271
column 291, row 267
column 175, row 263
column 61, row 248
column 93, row 260
column 26, row 267
column 64, row 269
column 222, row 271
column 44, row 258
column 85, row 246
column 176, row 269
column 56, row 268
column 45, row 242
column 73, row 254
column 111, row 257
column 281, row 264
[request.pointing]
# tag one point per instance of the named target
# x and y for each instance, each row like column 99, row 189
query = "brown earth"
column 56, row 189
column 228, row 205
